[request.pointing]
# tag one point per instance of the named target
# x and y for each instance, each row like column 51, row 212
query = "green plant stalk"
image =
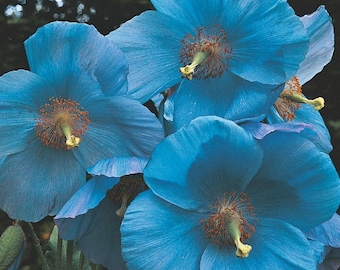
column 37, row 246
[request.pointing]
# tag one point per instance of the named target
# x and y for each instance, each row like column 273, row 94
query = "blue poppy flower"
column 292, row 105
column 94, row 221
column 220, row 199
column 236, row 55
column 56, row 119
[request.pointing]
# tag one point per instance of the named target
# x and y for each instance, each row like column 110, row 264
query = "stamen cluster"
column 57, row 116
column 285, row 107
column 231, row 208
column 208, row 39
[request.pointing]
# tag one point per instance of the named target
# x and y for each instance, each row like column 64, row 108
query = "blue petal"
column 321, row 44
column 87, row 197
column 18, row 111
column 296, row 166
column 59, row 47
column 151, row 43
column 267, row 39
column 230, row 97
column 194, row 13
column 260, row 130
column 118, row 166
column 328, row 232
column 158, row 235
column 184, row 170
column 317, row 133
column 38, row 181
column 119, row 127
column 275, row 245
column 97, row 233
column 307, row 114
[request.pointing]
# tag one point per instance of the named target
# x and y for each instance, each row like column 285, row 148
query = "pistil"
column 317, row 103
column 188, row 70
column 230, row 223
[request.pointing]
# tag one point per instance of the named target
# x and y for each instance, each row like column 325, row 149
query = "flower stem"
column 69, row 254
column 59, row 254
column 37, row 246
column 81, row 261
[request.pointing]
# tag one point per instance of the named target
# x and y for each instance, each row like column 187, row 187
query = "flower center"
column 61, row 123
column 229, row 225
column 126, row 190
column 205, row 54
column 291, row 98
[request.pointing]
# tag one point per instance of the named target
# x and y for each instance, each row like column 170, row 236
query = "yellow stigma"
column 188, row 70
column 71, row 140
column 317, row 103
column 242, row 250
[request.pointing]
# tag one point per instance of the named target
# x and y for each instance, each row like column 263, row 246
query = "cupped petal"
column 275, row 245
column 195, row 165
column 59, row 47
column 151, row 43
column 119, row 127
column 229, row 97
column 328, row 232
column 158, row 235
column 299, row 177
column 97, row 233
column 268, row 41
column 87, row 197
column 38, row 181
column 321, row 44
column 118, row 166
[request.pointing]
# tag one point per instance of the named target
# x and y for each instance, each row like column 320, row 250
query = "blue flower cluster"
column 234, row 173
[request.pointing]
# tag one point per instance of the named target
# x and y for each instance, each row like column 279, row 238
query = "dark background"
column 20, row 18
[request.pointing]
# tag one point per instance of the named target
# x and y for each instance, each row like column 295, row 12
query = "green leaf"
column 11, row 242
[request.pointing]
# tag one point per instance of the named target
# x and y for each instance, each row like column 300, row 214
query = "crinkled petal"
column 275, row 245
column 97, row 234
column 184, row 170
column 118, row 166
column 38, row 181
column 158, row 235
column 230, row 97
column 318, row 133
column 328, row 232
column 59, row 47
column 307, row 114
column 87, row 197
column 260, row 130
column 151, row 43
column 307, row 176
column 119, row 127
column 267, row 39
column 321, row 44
